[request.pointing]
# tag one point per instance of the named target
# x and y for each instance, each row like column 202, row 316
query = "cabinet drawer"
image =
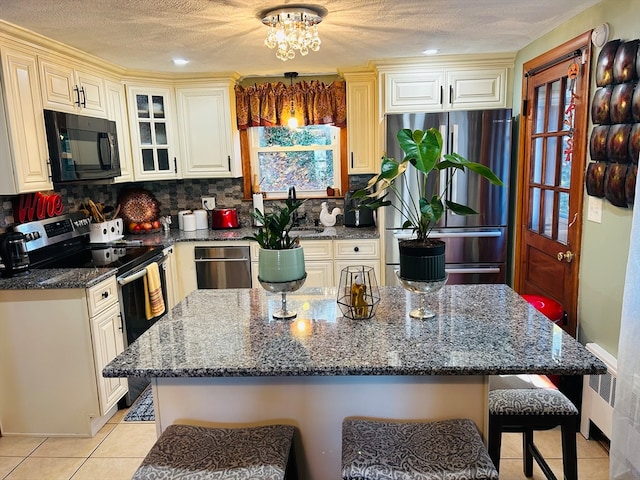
column 102, row 295
column 354, row 249
column 317, row 249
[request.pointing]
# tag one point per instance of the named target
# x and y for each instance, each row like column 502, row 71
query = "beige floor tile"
column 128, row 440
column 108, row 469
column 7, row 464
column 46, row 469
column 17, row 446
column 588, row 469
column 118, row 416
column 57, row 447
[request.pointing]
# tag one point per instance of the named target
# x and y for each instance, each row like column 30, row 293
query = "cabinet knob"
column 105, row 294
column 356, row 249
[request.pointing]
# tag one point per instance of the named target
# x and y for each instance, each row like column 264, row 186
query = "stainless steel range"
column 63, row 242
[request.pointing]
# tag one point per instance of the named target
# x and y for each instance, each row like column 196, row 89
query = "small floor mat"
column 142, row 409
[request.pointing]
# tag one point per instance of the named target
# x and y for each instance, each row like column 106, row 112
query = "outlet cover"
column 595, row 210
column 208, row 203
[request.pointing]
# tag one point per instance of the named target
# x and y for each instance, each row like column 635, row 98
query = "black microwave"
column 81, row 148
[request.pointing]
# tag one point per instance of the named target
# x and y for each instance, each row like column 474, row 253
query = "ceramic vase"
column 422, row 261
column 277, row 266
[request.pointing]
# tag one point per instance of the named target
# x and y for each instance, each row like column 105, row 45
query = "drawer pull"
column 105, row 294
column 356, row 249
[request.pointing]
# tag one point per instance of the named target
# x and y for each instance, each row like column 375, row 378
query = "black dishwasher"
column 223, row 267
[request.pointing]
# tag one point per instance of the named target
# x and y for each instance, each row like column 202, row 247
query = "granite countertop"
column 478, row 330
column 87, row 277
column 51, row 278
column 236, row 234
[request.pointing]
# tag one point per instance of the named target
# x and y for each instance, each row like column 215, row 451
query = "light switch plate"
column 595, row 210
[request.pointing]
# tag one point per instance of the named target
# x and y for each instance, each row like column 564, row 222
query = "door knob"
column 565, row 256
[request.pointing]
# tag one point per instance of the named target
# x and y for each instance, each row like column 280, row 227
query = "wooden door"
column 552, row 151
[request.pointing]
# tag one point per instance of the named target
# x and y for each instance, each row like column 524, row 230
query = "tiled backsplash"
column 174, row 196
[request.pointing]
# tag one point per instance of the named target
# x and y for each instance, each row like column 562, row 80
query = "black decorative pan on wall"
column 614, row 145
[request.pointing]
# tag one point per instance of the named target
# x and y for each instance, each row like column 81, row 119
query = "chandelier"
column 291, row 29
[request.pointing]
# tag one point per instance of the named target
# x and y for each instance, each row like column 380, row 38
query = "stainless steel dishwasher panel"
column 223, row 267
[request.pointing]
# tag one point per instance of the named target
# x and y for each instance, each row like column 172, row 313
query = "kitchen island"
column 219, row 358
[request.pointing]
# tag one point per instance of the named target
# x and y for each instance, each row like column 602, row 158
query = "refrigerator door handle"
column 454, row 178
column 482, row 234
column 473, row 270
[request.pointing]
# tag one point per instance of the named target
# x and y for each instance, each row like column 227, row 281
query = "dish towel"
column 153, row 300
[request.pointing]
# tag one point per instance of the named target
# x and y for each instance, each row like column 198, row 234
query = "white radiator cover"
column 599, row 394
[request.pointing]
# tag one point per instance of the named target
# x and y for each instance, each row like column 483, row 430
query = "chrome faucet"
column 291, row 195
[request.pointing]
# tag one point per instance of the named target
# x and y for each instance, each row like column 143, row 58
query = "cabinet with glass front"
column 153, row 138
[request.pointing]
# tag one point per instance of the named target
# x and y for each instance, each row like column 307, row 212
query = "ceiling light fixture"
column 180, row 61
column 293, row 121
column 293, row 28
column 430, row 51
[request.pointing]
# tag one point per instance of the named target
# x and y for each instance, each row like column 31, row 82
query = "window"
column 307, row 158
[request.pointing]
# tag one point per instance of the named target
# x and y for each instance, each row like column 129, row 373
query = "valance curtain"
column 269, row 104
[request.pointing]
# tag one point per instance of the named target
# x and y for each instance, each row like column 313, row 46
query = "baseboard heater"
column 599, row 394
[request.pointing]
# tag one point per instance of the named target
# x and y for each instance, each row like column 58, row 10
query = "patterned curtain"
column 269, row 104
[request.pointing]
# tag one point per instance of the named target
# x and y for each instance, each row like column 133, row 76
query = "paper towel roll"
column 201, row 219
column 181, row 213
column 258, row 204
column 189, row 222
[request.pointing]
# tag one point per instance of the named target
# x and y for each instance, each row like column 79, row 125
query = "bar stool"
column 518, row 404
column 199, row 453
column 381, row 450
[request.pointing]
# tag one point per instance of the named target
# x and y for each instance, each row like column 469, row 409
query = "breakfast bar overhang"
column 219, row 358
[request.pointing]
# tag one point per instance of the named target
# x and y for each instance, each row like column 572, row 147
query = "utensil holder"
column 358, row 294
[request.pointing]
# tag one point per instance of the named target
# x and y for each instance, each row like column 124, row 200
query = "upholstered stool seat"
column 525, row 410
column 188, row 452
column 448, row 449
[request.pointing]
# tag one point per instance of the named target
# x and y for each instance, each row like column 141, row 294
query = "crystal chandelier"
column 291, row 29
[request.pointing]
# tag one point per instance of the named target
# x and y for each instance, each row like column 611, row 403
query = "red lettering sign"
column 38, row 206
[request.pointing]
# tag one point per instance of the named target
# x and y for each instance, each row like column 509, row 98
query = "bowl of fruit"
column 140, row 211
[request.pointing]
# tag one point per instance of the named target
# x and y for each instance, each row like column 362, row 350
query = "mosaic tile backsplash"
column 174, row 196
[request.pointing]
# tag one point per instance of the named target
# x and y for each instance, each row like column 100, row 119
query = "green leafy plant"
column 423, row 150
column 274, row 232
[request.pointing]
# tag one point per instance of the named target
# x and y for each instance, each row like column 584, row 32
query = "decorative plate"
column 138, row 206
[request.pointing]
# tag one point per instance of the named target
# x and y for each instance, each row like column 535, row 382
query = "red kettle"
column 224, row 218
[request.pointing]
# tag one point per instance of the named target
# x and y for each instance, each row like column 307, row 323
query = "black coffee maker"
column 13, row 251
column 356, row 214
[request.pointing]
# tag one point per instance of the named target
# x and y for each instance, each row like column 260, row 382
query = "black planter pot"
column 422, row 261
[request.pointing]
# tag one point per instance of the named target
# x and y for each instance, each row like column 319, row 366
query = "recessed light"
column 430, row 51
column 180, row 61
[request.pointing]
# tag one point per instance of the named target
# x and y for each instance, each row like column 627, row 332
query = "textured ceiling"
column 226, row 35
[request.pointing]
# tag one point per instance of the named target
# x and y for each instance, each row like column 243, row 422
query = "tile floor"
column 119, row 447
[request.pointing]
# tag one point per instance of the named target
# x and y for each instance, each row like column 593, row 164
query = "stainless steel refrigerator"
column 476, row 244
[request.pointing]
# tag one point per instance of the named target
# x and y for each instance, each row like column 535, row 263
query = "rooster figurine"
column 328, row 219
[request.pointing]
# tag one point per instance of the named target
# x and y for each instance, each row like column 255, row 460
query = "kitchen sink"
column 305, row 231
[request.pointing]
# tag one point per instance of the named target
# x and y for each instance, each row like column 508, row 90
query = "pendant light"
column 293, row 121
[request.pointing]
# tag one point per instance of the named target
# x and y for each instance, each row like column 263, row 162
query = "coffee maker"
column 13, row 251
column 356, row 213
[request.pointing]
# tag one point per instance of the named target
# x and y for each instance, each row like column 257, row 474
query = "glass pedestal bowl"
column 283, row 288
column 422, row 288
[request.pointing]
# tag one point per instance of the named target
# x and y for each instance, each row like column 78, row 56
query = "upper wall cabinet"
column 361, row 118
column 207, row 133
column 72, row 90
column 23, row 148
column 153, row 138
column 117, row 111
column 448, row 85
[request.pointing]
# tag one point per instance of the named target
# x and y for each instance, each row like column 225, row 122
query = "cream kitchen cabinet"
column 206, row 130
column 444, row 88
column 72, row 90
column 60, row 340
column 23, row 146
column 363, row 157
column 117, row 111
column 154, row 139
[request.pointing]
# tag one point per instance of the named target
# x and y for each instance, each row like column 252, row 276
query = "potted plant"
column 281, row 258
column 422, row 258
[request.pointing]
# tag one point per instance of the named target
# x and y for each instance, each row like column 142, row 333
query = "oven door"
column 134, row 319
